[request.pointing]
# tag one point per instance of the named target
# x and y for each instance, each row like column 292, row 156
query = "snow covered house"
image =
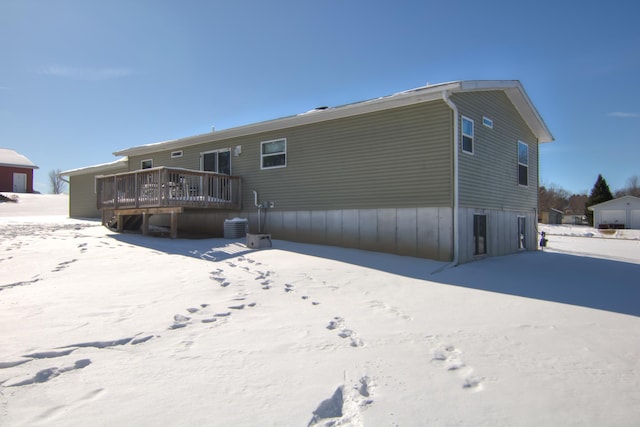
column 16, row 172
column 623, row 212
column 446, row 171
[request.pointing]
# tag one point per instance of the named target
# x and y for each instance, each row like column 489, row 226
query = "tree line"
column 555, row 197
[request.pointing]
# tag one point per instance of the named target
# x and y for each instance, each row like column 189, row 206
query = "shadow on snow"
column 569, row 279
column 577, row 280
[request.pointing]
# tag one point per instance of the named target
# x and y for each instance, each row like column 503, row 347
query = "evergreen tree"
column 600, row 193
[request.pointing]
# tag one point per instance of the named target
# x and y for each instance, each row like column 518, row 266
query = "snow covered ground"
column 103, row 329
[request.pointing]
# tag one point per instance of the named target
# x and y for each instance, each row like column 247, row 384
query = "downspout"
column 456, row 219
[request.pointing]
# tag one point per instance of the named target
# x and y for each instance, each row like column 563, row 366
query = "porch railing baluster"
column 168, row 187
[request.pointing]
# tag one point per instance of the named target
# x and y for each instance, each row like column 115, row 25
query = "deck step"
column 130, row 222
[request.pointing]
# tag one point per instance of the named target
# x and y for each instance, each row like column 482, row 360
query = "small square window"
column 487, row 122
column 273, row 154
column 467, row 135
column 146, row 164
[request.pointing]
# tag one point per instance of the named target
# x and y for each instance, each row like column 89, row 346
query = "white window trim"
column 262, row 143
column 221, row 150
column 487, row 122
column 473, row 138
column 146, row 160
column 523, row 164
column 177, row 154
column 486, row 235
column 524, row 236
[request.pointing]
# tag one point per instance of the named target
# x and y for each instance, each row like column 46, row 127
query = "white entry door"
column 19, row 182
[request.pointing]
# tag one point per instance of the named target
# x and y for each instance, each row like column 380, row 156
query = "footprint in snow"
column 45, row 375
column 448, row 357
column 180, row 321
column 63, row 265
column 345, row 406
column 338, row 323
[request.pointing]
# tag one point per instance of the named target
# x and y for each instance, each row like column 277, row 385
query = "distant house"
column 16, row 172
column 447, row 172
column 574, row 219
column 623, row 212
column 551, row 216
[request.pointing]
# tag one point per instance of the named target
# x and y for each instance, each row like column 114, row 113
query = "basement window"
column 479, row 234
column 273, row 154
column 176, row 154
column 467, row 135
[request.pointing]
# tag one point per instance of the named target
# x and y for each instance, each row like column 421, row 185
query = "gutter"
column 456, row 186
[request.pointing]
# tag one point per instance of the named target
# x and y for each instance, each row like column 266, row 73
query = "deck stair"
column 129, row 222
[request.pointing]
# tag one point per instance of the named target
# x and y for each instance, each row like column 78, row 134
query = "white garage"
column 623, row 212
column 635, row 219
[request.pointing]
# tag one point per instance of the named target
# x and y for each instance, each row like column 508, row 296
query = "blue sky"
column 80, row 79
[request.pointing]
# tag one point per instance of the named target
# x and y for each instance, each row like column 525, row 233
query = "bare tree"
column 552, row 197
column 576, row 204
column 56, row 181
column 633, row 186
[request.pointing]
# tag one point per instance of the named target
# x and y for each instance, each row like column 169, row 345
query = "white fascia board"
column 620, row 203
column 97, row 169
column 15, row 165
column 518, row 96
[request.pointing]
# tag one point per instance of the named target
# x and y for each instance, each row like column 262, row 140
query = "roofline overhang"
column 512, row 88
column 97, row 169
column 612, row 201
column 13, row 165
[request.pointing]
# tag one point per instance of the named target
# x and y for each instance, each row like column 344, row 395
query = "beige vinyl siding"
column 393, row 158
column 489, row 177
column 82, row 197
column 163, row 158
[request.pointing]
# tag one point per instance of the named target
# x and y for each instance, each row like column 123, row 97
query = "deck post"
column 120, row 219
column 115, row 191
column 174, row 225
column 145, row 223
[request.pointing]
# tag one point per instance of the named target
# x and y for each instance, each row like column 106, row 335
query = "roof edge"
column 15, row 165
column 628, row 196
column 430, row 92
column 104, row 167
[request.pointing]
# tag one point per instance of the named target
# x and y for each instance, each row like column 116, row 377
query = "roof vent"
column 321, row 108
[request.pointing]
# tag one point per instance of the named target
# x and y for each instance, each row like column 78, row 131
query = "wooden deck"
column 165, row 190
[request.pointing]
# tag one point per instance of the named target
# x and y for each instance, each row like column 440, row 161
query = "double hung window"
column 523, row 164
column 273, row 154
column 467, row 135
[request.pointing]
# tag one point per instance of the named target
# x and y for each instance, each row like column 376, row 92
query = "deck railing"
column 168, row 187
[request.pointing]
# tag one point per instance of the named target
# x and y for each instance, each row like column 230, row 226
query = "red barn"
column 16, row 172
